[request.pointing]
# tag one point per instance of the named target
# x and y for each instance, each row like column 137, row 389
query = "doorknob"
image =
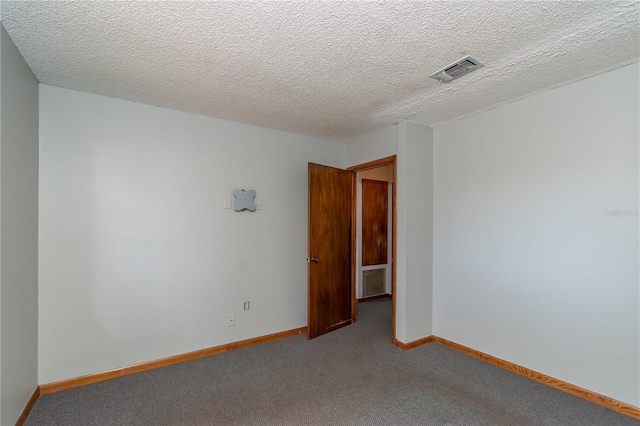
column 312, row 259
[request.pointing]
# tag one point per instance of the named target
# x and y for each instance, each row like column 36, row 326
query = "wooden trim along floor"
column 377, row 296
column 413, row 344
column 143, row 366
column 594, row 397
column 605, row 401
column 586, row 394
column 27, row 408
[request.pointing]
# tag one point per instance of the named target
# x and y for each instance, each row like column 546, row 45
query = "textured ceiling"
column 336, row 70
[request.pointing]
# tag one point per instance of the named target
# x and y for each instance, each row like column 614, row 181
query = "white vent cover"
column 374, row 282
column 457, row 69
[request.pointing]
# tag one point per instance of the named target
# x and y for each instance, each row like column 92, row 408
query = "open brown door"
column 329, row 269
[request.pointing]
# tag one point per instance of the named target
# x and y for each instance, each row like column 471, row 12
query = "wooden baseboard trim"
column 580, row 392
column 376, row 297
column 414, row 343
column 27, row 408
column 143, row 366
column 583, row 393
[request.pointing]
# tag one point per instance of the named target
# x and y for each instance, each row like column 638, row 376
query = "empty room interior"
column 320, row 212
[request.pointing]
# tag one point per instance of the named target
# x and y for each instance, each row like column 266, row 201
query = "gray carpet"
column 352, row 376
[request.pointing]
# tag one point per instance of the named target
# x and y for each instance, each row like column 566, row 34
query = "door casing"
column 360, row 168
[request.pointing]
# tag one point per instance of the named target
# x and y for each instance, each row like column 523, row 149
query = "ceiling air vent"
column 457, row 69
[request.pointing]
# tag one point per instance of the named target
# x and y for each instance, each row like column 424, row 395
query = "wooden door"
column 330, row 239
column 375, row 205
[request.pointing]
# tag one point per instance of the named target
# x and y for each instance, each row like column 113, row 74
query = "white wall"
column 2, row 32
column 413, row 146
column 372, row 147
column 18, row 232
column 528, row 267
column 138, row 258
column 414, row 207
column 382, row 173
column 2, row 35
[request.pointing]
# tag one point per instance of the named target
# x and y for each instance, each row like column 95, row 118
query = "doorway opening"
column 374, row 233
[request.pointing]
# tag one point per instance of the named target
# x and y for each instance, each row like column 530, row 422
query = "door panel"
column 329, row 269
column 375, row 207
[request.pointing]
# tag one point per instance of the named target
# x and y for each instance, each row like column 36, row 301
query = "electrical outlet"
column 231, row 320
column 247, row 306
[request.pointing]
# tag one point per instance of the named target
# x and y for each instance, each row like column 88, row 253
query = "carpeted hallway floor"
column 353, row 376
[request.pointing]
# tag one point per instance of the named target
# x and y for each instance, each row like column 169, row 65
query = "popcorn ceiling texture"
column 335, row 70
